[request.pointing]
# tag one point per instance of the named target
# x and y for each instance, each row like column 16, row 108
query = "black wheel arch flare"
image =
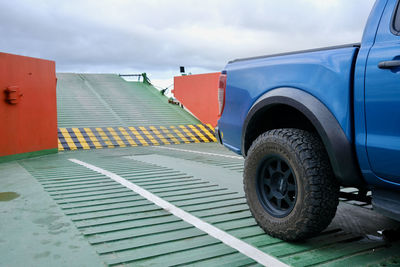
column 340, row 151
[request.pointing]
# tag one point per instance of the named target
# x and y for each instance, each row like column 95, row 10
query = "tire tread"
column 322, row 191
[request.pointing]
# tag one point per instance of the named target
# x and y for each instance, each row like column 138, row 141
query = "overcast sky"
column 157, row 36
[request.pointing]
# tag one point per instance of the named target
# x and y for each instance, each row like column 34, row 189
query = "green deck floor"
column 34, row 231
column 68, row 215
column 102, row 100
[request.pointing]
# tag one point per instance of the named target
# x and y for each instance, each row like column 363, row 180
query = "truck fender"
column 340, row 150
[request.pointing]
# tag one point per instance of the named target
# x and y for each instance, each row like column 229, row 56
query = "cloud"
column 158, row 36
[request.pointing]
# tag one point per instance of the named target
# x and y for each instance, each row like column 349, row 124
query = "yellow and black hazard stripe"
column 109, row 137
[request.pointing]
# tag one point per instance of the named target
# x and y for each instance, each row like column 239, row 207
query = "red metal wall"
column 198, row 93
column 31, row 124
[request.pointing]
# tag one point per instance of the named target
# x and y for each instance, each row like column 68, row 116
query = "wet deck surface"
column 60, row 213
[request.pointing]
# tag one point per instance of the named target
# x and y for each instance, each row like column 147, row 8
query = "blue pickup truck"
column 311, row 121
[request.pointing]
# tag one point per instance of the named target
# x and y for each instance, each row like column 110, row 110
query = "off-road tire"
column 317, row 191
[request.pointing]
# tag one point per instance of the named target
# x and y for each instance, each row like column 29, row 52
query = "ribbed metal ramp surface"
column 103, row 100
column 205, row 180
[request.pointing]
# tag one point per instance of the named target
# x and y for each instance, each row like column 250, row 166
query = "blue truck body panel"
column 363, row 98
column 248, row 80
column 359, row 95
column 377, row 99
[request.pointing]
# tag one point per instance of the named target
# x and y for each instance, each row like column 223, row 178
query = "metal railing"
column 141, row 77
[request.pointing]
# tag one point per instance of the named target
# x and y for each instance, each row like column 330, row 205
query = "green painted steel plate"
column 116, row 226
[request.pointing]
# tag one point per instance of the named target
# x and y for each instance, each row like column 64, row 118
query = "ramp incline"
column 104, row 110
column 104, row 100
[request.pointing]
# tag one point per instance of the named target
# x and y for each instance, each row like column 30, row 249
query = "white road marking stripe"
column 224, row 237
column 198, row 152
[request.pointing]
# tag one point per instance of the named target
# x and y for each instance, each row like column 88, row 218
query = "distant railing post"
column 145, row 79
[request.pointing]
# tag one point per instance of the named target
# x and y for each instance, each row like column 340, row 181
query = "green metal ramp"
column 205, row 180
column 104, row 100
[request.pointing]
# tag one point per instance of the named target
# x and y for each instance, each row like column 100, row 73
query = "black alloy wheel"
column 276, row 186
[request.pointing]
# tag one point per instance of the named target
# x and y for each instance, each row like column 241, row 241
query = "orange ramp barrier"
column 28, row 107
column 198, row 93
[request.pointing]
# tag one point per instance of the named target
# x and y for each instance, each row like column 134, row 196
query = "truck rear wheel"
column 289, row 184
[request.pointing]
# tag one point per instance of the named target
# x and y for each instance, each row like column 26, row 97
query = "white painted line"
column 224, row 237
column 198, row 152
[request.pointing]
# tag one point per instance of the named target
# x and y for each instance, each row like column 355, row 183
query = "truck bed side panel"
column 326, row 74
